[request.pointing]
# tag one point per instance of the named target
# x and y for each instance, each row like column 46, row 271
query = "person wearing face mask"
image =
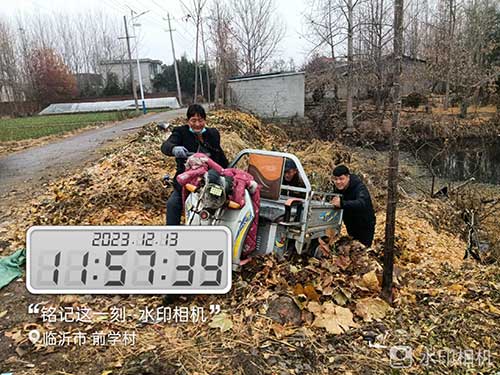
column 358, row 216
column 185, row 140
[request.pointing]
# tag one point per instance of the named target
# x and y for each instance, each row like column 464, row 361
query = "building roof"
column 120, row 62
column 263, row 76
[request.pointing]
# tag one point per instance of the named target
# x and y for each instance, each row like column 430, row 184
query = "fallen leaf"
column 360, row 285
column 456, row 289
column 221, row 321
column 493, row 309
column 328, row 291
column 335, row 319
column 281, row 331
column 68, row 299
column 371, row 308
column 340, row 298
column 327, row 281
column 3, row 313
column 314, row 307
column 343, row 262
column 370, row 281
column 346, row 292
column 324, row 247
column 298, row 290
column 311, row 293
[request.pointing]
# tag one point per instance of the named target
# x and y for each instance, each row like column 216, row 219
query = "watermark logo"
column 401, row 356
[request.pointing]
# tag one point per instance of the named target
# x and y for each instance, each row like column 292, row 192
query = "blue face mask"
column 192, row 131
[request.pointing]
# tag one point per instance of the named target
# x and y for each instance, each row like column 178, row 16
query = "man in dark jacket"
column 187, row 139
column 358, row 216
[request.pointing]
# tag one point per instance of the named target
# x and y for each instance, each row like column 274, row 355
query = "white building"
column 269, row 95
column 6, row 94
column 149, row 68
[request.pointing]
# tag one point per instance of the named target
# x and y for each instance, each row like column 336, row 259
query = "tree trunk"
column 451, row 32
column 463, row 108
column 392, row 193
column 350, row 126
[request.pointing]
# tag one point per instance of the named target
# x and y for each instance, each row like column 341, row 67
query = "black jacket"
column 182, row 136
column 357, row 204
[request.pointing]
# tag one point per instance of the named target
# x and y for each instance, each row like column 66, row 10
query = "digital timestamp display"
column 128, row 260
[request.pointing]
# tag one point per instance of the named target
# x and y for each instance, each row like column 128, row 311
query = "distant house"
column 321, row 77
column 6, row 94
column 13, row 102
column 89, row 84
column 269, row 95
column 149, row 68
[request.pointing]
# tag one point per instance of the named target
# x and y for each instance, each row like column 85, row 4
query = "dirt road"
column 20, row 172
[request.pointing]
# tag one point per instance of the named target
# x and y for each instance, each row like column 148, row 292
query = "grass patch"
column 17, row 129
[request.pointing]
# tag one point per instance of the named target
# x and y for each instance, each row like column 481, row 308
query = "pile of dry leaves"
column 299, row 315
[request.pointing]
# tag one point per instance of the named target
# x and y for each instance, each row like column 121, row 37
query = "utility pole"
column 196, row 58
column 201, row 81
column 144, row 110
column 206, row 64
column 179, row 92
column 130, row 66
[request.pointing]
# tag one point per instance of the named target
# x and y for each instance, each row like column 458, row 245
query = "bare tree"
column 226, row 60
column 10, row 83
column 194, row 13
column 280, row 65
column 323, row 29
column 82, row 39
column 392, row 191
column 451, row 7
column 473, row 73
column 376, row 33
column 348, row 12
column 335, row 22
column 457, row 49
column 257, row 31
column 324, row 32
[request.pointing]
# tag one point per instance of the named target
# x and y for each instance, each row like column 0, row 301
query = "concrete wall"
column 280, row 95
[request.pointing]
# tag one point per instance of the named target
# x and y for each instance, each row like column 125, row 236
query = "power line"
column 152, row 19
column 117, row 6
column 159, row 6
column 157, row 21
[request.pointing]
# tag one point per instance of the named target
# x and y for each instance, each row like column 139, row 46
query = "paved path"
column 18, row 171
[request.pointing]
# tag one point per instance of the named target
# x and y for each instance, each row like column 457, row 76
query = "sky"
column 155, row 41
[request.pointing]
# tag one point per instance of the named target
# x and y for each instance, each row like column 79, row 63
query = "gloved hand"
column 180, row 152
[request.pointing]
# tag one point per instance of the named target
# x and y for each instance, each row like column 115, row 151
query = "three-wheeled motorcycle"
column 286, row 216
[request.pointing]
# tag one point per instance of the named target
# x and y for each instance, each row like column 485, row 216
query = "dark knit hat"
column 340, row 170
column 290, row 164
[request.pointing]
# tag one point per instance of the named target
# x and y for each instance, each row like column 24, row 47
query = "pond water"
column 477, row 158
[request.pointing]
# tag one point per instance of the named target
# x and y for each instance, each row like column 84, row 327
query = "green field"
column 17, row 129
